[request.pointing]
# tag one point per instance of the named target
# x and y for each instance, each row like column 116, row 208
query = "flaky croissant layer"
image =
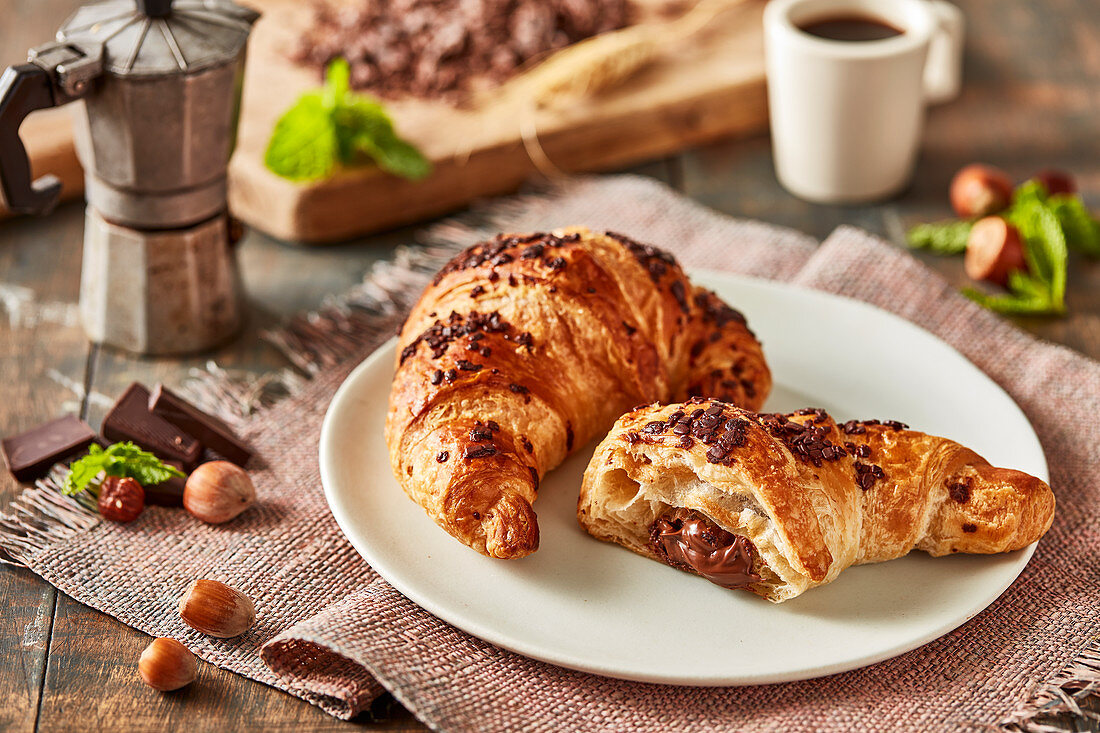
column 526, row 347
column 777, row 504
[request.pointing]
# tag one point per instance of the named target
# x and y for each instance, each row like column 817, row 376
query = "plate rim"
column 485, row 633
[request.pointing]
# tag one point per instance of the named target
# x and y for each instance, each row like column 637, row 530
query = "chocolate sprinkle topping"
column 867, row 474
column 518, row 388
column 443, row 456
column 479, row 450
column 807, row 441
column 437, row 377
column 440, row 335
column 655, row 261
column 680, row 294
column 717, row 311
column 476, row 291
column 960, row 491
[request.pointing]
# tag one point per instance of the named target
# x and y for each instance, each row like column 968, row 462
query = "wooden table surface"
column 1031, row 99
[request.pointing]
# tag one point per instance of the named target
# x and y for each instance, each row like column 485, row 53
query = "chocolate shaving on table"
column 444, row 48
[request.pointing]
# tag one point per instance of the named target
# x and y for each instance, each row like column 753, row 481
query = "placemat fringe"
column 1060, row 695
column 369, row 311
column 42, row 515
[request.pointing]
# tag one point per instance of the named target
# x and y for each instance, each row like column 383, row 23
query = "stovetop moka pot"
column 160, row 87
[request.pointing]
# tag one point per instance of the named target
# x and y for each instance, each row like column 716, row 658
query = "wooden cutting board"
column 708, row 87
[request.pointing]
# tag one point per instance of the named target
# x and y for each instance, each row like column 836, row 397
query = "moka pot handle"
column 57, row 73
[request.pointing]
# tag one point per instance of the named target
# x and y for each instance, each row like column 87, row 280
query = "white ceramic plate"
column 596, row 607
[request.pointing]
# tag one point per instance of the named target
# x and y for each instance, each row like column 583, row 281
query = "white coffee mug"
column 846, row 116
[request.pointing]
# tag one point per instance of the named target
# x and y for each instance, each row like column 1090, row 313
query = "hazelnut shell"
column 216, row 609
column 167, row 665
column 218, row 491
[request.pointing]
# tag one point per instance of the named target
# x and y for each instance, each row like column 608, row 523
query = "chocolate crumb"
column 960, row 491
column 970, row 528
column 443, row 456
column 437, row 377
column 479, row 450
column 476, row 291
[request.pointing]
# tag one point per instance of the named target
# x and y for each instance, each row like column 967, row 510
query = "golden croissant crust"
column 778, row 504
column 526, row 347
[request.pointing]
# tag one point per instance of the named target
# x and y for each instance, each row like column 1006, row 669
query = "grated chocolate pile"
column 437, row 48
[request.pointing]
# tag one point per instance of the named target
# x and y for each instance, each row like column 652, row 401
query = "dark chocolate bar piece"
column 166, row 493
column 130, row 419
column 208, row 430
column 31, row 454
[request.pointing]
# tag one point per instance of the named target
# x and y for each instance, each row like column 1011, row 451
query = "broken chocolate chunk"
column 30, row 455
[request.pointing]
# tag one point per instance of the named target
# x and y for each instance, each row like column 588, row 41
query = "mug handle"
column 943, row 68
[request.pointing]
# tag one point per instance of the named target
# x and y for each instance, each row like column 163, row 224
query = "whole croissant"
column 526, row 347
column 778, row 504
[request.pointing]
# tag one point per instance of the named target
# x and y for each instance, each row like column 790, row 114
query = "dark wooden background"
column 1031, row 99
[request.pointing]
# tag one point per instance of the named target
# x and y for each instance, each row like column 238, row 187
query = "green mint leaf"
column 396, row 156
column 1028, row 193
column 84, row 470
column 1011, row 304
column 1044, row 240
column 1082, row 231
column 356, row 119
column 121, row 459
column 304, row 144
column 337, row 82
column 130, row 461
column 335, row 125
column 946, row 237
column 1022, row 284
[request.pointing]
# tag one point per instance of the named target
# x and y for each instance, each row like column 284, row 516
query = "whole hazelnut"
column 993, row 250
column 120, row 499
column 980, row 190
column 1056, row 181
column 216, row 609
column 167, row 665
column 218, row 491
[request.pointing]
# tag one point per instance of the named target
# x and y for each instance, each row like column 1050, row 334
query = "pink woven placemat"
column 331, row 631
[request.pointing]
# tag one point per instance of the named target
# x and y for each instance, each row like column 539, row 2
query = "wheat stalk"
column 605, row 61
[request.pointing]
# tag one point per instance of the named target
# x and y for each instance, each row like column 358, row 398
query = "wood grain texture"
column 40, row 349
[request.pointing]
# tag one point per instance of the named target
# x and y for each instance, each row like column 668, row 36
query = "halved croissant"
column 778, row 504
column 526, row 347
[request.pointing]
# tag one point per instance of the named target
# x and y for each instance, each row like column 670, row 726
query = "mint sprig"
column 944, row 237
column 1049, row 227
column 121, row 459
column 335, row 126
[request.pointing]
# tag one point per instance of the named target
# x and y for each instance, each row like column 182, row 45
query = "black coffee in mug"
column 850, row 27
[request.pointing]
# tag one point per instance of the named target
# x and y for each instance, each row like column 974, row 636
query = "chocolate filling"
column 696, row 543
